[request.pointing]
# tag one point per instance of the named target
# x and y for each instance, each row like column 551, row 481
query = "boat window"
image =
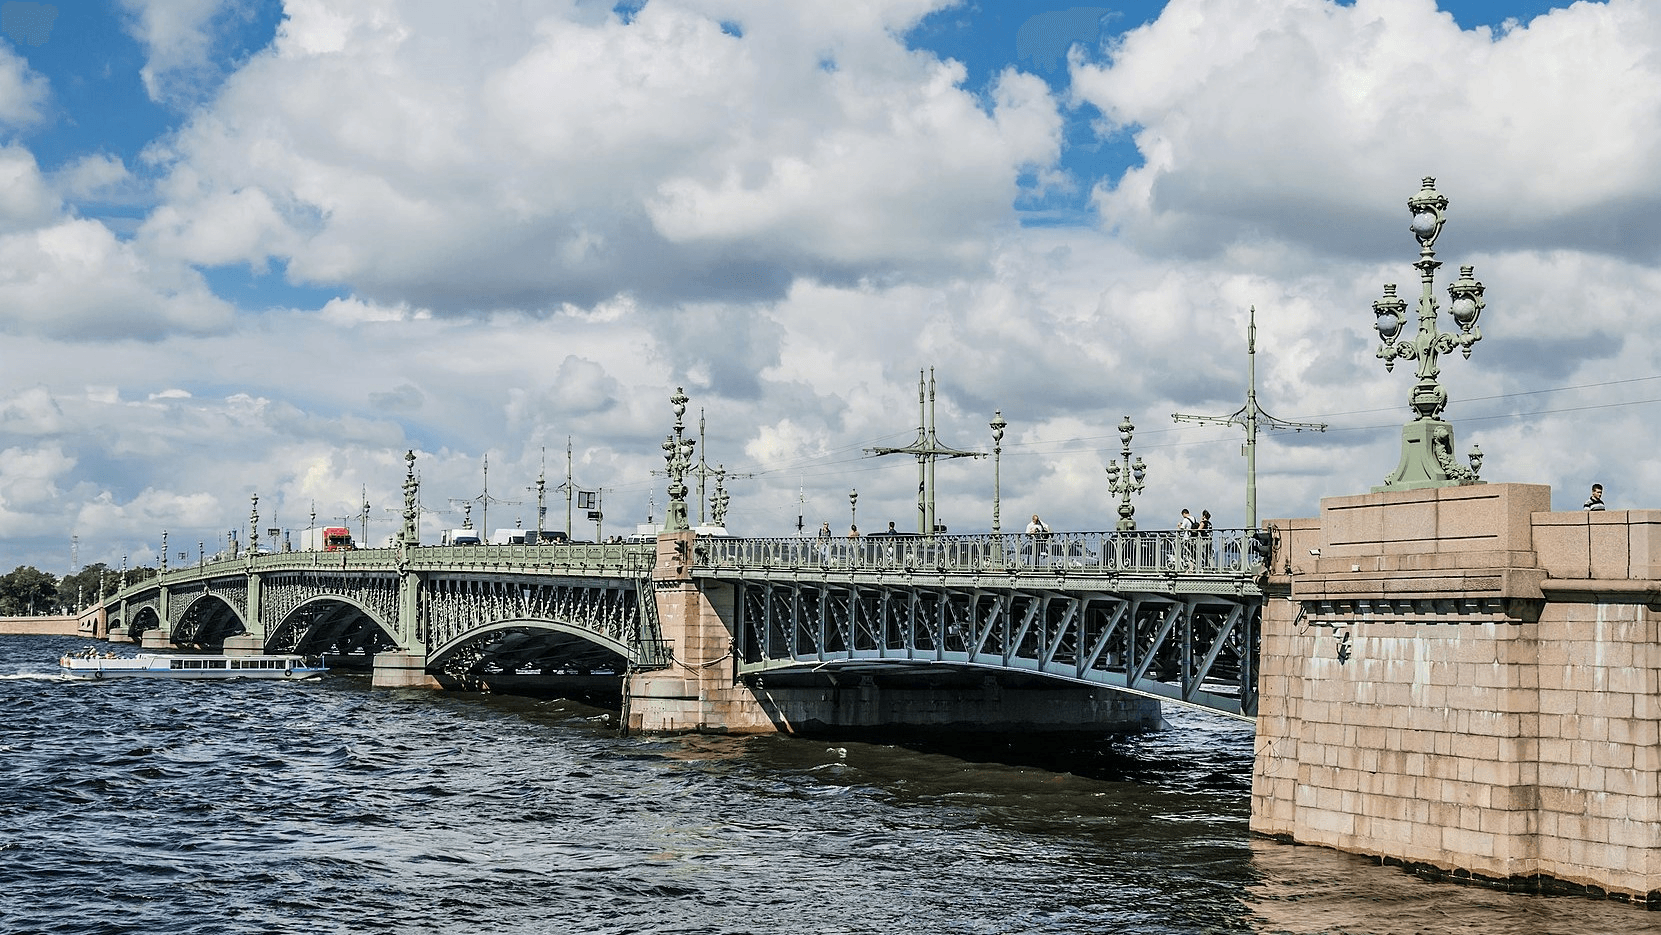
column 176, row 664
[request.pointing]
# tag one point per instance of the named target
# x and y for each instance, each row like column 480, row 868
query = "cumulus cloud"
column 75, row 279
column 179, row 38
column 787, row 211
column 1284, row 120
column 484, row 156
column 23, row 91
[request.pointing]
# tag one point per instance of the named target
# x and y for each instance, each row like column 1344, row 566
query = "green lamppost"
column 1427, row 458
column 677, row 455
column 410, row 535
column 1127, row 479
column 998, row 425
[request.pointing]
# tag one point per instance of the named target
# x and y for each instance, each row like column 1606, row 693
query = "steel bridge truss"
column 1193, row 649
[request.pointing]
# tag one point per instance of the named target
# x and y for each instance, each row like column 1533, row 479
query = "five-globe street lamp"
column 1427, row 458
column 1127, row 479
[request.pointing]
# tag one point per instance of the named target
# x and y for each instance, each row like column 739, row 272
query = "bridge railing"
column 624, row 560
column 1219, row 552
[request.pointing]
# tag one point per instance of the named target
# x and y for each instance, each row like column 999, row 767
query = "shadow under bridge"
column 541, row 635
column 1196, row 649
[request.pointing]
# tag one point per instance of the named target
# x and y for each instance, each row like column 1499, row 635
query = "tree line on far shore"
column 26, row 591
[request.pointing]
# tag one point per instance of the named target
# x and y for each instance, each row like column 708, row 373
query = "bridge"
column 1158, row 615
column 1456, row 677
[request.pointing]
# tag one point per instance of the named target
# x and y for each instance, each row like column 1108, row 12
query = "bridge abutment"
column 1464, row 681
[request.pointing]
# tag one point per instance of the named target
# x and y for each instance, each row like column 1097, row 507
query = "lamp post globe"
column 1427, row 458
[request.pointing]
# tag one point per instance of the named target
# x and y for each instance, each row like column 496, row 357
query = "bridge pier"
column 698, row 692
column 398, row 669
column 1465, row 682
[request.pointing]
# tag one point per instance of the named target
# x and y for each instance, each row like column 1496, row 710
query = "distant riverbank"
column 40, row 626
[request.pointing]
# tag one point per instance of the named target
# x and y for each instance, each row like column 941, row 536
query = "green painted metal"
column 677, row 455
column 1250, row 417
column 1126, row 478
column 1163, row 561
column 1427, row 445
column 927, row 449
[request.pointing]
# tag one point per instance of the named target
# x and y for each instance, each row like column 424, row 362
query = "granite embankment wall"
column 40, row 626
column 1463, row 680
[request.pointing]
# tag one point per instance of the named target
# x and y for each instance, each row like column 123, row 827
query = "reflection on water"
column 330, row 807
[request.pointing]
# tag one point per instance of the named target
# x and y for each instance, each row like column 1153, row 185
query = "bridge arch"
column 138, row 620
column 207, row 621
column 533, row 655
column 344, row 628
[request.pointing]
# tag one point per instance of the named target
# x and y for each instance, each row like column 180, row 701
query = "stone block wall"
column 1484, row 700
column 40, row 626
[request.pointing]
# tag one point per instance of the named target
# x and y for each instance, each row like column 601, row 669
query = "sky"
column 261, row 248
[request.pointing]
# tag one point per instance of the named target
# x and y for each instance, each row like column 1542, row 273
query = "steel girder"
column 1194, row 649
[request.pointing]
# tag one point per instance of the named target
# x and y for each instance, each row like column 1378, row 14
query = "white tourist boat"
column 94, row 665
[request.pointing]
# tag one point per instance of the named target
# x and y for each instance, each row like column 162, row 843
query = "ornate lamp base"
column 1427, row 459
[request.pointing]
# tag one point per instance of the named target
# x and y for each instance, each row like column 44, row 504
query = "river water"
column 178, row 807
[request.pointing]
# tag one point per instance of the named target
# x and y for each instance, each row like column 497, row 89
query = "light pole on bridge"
column 1250, row 417
column 411, row 533
column 927, row 449
column 1427, row 458
column 254, row 526
column 164, row 551
column 677, row 455
column 853, row 510
column 1126, row 480
column 998, row 425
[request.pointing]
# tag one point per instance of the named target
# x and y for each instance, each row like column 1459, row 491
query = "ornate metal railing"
column 631, row 560
column 1219, row 552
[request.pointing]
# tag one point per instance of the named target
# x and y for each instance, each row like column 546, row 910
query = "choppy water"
column 185, row 807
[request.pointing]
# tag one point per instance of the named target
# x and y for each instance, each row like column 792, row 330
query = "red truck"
column 326, row 539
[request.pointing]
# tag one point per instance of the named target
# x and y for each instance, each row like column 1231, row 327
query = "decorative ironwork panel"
column 281, row 593
column 233, row 591
column 455, row 606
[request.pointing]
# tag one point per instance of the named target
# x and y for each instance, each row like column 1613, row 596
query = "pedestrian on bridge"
column 1595, row 501
column 1186, row 527
column 1204, row 532
column 1040, row 534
